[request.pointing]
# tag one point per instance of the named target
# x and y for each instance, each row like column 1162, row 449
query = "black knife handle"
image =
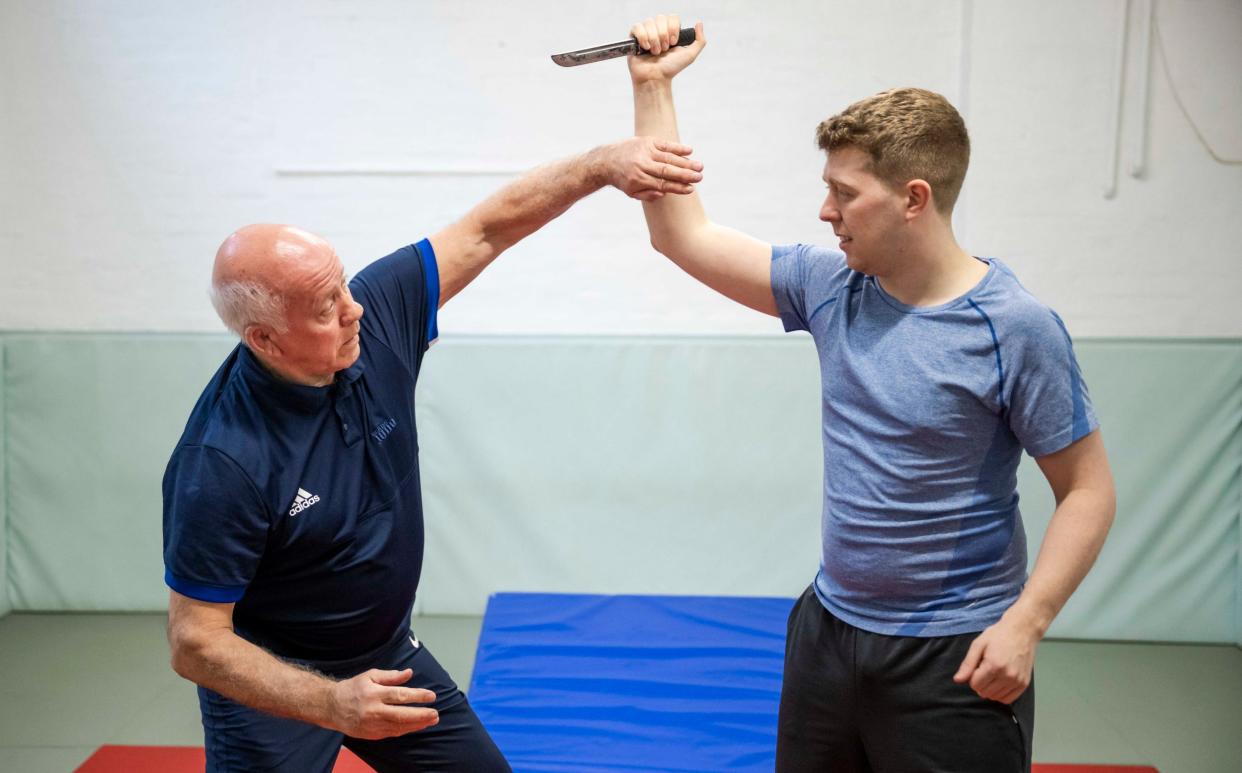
column 685, row 38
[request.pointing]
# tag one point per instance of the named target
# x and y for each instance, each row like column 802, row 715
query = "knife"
column 613, row 50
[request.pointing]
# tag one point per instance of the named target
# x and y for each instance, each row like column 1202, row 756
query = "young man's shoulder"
column 1006, row 295
column 1015, row 311
column 811, row 253
column 816, row 262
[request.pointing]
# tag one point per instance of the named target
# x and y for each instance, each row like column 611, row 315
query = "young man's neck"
column 932, row 270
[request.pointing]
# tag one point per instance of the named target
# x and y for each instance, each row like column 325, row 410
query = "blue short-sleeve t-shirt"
column 926, row 412
column 302, row 505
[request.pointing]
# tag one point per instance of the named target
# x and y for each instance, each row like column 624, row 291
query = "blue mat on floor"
column 626, row 683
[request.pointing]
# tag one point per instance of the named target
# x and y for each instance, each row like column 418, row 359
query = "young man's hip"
column 859, row 701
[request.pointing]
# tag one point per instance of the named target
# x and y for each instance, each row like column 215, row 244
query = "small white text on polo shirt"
column 303, row 501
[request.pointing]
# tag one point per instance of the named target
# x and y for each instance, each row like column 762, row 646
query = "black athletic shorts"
column 859, row 701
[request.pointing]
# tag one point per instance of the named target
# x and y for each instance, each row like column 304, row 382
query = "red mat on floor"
column 178, row 759
column 191, row 759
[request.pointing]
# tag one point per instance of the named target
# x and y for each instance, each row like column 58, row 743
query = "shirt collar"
column 309, row 398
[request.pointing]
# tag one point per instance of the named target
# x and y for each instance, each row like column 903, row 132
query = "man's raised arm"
column 728, row 261
column 641, row 167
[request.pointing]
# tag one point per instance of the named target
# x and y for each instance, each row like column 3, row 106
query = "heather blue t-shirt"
column 301, row 504
column 926, row 412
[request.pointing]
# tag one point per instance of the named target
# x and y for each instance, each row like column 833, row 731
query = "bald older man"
column 293, row 524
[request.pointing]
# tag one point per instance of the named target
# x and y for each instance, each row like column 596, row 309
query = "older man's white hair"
column 242, row 304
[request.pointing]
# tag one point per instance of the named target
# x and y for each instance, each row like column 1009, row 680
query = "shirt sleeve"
column 399, row 294
column 215, row 526
column 806, row 278
column 789, row 285
column 1048, row 407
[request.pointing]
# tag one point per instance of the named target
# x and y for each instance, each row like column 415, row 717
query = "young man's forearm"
column 1070, row 547
column 728, row 261
column 999, row 664
column 671, row 221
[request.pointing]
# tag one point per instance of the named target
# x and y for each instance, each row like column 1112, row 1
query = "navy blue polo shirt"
column 302, row 505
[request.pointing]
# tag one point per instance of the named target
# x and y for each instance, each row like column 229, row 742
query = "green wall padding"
column 91, row 421
column 619, row 466
column 636, row 465
column 1171, row 414
column 5, row 604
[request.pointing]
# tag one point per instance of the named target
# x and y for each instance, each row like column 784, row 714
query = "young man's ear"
column 918, row 198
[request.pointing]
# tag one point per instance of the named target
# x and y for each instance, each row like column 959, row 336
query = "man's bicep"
column 736, row 265
column 461, row 249
column 1082, row 464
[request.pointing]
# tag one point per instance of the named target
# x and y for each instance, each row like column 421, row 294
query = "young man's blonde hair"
column 909, row 134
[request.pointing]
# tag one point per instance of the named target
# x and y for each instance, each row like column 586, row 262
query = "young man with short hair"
column 914, row 647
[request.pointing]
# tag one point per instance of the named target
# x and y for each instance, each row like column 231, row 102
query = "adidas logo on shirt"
column 303, row 501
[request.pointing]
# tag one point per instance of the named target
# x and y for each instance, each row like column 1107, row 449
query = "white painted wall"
column 135, row 135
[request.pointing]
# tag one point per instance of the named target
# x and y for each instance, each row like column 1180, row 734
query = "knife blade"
column 613, row 50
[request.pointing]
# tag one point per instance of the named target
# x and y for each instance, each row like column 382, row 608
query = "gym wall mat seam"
column 5, row 602
column 1237, row 456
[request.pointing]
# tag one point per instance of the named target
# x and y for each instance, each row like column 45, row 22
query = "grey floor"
column 70, row 683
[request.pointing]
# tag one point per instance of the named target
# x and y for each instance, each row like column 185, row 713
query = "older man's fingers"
column 402, row 720
column 667, row 186
column 675, row 168
column 681, row 162
column 398, row 696
column 654, row 188
column 669, row 146
column 674, row 174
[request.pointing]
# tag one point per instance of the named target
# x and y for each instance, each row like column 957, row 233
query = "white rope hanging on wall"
column 1177, row 97
column 1149, row 28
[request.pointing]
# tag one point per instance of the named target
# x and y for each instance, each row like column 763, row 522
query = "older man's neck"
column 302, row 379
